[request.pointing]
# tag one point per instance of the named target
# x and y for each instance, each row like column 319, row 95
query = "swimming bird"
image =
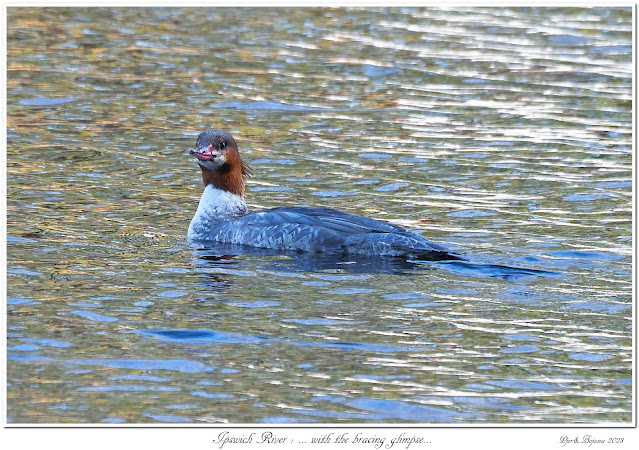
column 222, row 216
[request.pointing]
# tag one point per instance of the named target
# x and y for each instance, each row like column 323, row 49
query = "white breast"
column 216, row 205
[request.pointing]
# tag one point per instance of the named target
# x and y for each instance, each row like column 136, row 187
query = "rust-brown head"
column 220, row 162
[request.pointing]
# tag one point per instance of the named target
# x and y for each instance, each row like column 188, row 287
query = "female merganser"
column 222, row 216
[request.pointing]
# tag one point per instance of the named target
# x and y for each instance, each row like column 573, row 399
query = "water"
column 504, row 133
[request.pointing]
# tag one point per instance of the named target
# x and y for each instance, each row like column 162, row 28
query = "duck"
column 223, row 217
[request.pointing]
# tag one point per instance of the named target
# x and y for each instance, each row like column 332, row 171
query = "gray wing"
column 328, row 231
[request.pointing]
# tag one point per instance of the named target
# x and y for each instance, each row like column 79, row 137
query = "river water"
column 505, row 133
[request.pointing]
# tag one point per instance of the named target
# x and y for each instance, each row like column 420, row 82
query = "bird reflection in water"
column 298, row 262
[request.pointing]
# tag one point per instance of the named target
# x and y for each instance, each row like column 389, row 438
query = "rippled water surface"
column 505, row 133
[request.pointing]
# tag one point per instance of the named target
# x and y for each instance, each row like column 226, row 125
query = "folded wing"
column 327, row 231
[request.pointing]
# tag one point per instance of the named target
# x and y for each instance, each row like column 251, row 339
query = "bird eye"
column 222, row 145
